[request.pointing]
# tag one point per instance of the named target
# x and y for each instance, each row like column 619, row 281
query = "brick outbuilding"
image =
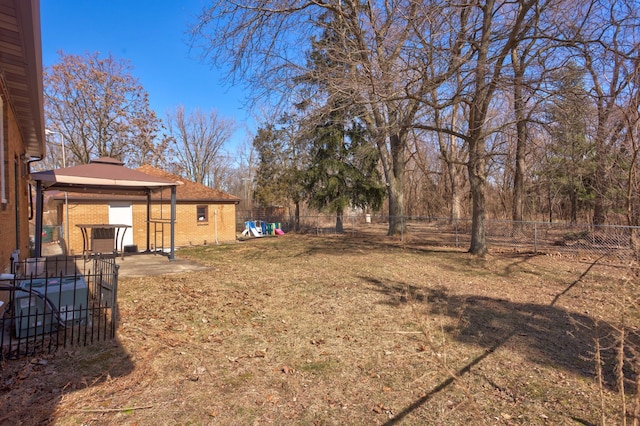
column 203, row 215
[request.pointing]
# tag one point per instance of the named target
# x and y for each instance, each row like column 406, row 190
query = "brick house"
column 203, row 215
column 21, row 121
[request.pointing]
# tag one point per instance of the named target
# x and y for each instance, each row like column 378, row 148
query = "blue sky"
column 150, row 34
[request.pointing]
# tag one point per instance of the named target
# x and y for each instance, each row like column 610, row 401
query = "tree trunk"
column 477, row 181
column 456, row 193
column 450, row 154
column 600, row 184
column 632, row 214
column 339, row 221
column 477, row 113
column 521, row 142
column 396, row 208
column 395, row 188
column 297, row 217
column 573, row 199
column 550, row 200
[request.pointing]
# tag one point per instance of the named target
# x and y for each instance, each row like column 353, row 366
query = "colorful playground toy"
column 250, row 229
column 260, row 228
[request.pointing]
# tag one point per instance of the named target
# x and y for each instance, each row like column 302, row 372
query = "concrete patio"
column 136, row 264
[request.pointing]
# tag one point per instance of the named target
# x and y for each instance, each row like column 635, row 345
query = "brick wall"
column 188, row 230
column 13, row 216
column 82, row 213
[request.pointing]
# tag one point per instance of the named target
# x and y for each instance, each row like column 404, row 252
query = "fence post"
column 535, row 237
column 114, row 308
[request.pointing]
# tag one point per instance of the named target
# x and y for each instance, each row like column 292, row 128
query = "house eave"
column 21, row 70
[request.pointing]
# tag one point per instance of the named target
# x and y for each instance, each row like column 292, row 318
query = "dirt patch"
column 347, row 330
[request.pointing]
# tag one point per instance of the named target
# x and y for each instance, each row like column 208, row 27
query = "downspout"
column 215, row 224
column 37, row 239
column 33, row 160
column 16, row 199
column 38, row 236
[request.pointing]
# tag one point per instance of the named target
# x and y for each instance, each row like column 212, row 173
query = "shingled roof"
column 188, row 190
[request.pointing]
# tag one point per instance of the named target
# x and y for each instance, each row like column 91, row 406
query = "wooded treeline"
column 522, row 109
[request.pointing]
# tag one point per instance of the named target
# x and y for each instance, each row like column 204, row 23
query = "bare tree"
column 533, row 59
column 438, row 66
column 151, row 149
column 486, row 34
column 99, row 108
column 198, row 140
column 607, row 45
column 451, row 148
column 632, row 121
column 631, row 153
column 492, row 36
column 244, row 174
column 427, row 184
column 383, row 77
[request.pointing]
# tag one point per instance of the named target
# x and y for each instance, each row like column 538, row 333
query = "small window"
column 203, row 214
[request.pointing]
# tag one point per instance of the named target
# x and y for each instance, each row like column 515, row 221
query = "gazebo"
column 102, row 176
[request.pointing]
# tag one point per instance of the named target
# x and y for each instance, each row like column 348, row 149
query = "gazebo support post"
column 148, row 221
column 173, row 222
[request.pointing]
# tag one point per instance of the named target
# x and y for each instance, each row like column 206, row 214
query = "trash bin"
column 103, row 240
column 47, row 233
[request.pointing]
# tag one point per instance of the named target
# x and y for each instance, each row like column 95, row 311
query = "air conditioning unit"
column 45, row 304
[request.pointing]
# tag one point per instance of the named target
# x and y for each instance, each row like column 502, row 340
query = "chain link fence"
column 525, row 237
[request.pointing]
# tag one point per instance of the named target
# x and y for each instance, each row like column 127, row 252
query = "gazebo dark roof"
column 104, row 175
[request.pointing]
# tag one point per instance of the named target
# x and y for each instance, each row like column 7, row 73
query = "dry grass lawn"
column 344, row 330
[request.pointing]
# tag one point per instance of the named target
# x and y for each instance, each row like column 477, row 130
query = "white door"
column 121, row 213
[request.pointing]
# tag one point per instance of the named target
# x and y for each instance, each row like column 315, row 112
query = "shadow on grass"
column 31, row 388
column 33, row 385
column 546, row 334
column 347, row 244
column 306, row 245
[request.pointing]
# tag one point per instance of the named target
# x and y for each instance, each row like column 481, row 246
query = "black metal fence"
column 48, row 303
